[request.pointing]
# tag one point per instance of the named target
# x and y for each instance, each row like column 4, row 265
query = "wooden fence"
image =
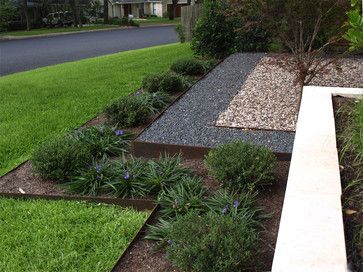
column 189, row 16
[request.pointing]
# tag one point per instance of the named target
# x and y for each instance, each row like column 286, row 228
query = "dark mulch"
column 143, row 257
column 348, row 173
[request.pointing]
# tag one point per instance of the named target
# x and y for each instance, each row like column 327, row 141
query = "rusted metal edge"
column 154, row 150
column 118, row 266
column 137, row 204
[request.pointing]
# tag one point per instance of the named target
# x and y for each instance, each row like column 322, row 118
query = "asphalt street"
column 27, row 54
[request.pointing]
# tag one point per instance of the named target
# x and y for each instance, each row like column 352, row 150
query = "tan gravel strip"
column 269, row 98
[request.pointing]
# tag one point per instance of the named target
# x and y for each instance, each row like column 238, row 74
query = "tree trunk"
column 105, row 11
column 27, row 15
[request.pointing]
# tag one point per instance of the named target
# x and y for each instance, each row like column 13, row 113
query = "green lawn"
column 43, row 235
column 41, row 31
column 157, row 20
column 42, row 103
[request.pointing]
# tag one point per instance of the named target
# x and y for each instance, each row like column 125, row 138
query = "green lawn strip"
column 157, row 20
column 43, row 235
column 41, row 31
column 46, row 102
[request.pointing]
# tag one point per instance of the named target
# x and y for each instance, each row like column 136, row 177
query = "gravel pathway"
column 191, row 120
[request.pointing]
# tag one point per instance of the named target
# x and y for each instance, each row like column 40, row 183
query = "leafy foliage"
column 212, row 242
column 238, row 165
column 90, row 180
column 159, row 232
column 129, row 180
column 165, row 172
column 60, row 159
column 183, row 197
column 181, row 32
column 7, row 12
column 214, row 35
column 157, row 101
column 168, row 82
column 190, row 66
column 354, row 33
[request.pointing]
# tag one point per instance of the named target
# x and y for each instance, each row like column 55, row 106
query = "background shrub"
column 157, row 101
column 190, row 66
column 168, row 82
column 214, row 34
column 213, row 242
column 129, row 111
column 59, row 159
column 181, row 32
column 238, row 165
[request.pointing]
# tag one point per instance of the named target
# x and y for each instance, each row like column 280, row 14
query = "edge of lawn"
column 18, row 76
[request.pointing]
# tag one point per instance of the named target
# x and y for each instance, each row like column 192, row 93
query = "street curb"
column 10, row 38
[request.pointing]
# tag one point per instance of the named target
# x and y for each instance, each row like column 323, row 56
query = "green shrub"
column 190, row 66
column 157, row 101
column 159, row 232
column 60, row 159
column 129, row 179
column 214, row 34
column 238, row 165
column 212, row 242
column 103, row 140
column 164, row 173
column 181, row 32
column 183, row 197
column 168, row 82
column 90, row 180
column 129, row 111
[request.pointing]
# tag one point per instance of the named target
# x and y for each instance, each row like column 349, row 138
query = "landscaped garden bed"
column 65, row 235
column 349, row 128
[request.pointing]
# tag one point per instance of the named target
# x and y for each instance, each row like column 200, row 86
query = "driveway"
column 27, row 54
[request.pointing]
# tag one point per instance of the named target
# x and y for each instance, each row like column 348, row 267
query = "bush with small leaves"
column 212, row 242
column 189, row 66
column 240, row 166
column 183, row 197
column 157, row 101
column 168, row 82
column 60, row 158
column 129, row 111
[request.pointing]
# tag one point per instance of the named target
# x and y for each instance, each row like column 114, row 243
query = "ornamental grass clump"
column 240, row 166
column 212, row 242
column 62, row 158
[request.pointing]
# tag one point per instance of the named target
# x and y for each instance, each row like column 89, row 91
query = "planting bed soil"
column 352, row 183
column 60, row 235
column 191, row 120
column 269, row 98
column 143, row 257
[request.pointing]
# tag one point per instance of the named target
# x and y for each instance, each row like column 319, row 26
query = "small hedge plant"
column 132, row 111
column 168, row 82
column 212, row 242
column 61, row 158
column 190, row 66
column 239, row 165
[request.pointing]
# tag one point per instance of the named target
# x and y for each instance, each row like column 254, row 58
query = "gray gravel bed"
column 191, row 120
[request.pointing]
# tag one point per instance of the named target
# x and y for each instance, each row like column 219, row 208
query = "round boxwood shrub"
column 212, row 242
column 239, row 165
column 190, row 66
column 129, row 111
column 168, row 82
column 60, row 159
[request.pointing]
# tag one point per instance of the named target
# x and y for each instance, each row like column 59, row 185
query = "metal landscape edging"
column 137, row 204
column 153, row 150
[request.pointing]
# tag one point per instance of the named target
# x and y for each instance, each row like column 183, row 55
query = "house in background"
column 142, row 8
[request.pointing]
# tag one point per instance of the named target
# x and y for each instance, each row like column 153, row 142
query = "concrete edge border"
column 311, row 233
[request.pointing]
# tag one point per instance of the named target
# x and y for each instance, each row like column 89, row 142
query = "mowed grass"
column 43, row 103
column 42, row 31
column 43, row 235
